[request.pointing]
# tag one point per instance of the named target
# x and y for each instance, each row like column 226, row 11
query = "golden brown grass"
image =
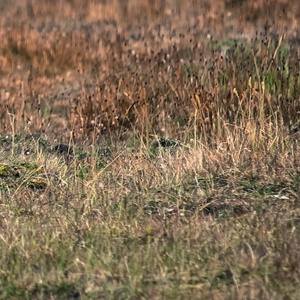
column 149, row 149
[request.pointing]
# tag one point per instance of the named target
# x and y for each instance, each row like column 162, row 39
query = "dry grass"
column 149, row 149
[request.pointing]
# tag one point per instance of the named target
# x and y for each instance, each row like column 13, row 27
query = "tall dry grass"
column 149, row 149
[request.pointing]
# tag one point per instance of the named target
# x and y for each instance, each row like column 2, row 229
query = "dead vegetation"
column 149, row 149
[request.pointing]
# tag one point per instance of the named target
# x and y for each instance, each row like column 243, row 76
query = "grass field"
column 149, row 149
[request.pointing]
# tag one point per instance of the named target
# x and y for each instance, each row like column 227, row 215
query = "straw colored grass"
column 149, row 150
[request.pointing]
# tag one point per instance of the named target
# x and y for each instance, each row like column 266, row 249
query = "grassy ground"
column 149, row 150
